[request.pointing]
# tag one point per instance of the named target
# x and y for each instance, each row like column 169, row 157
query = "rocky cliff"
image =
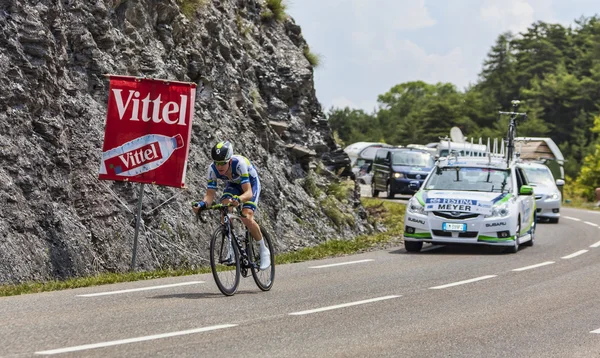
column 255, row 88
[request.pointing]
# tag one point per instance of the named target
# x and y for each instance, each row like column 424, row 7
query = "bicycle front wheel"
column 264, row 279
column 224, row 262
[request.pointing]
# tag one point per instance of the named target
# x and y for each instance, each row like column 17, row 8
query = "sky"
column 368, row 46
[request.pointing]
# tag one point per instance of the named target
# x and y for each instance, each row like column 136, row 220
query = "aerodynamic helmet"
column 222, row 151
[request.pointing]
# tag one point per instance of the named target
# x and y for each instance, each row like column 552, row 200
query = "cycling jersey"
column 242, row 171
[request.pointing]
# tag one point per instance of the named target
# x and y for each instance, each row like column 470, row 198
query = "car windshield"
column 538, row 175
column 413, row 159
column 470, row 179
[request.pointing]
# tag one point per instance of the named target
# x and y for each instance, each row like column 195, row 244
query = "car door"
column 379, row 169
column 526, row 203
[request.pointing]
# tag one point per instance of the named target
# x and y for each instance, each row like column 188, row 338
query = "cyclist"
column 242, row 188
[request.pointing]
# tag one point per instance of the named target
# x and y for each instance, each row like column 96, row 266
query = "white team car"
column 472, row 200
column 547, row 195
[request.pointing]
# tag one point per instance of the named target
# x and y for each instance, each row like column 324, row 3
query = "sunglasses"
column 221, row 163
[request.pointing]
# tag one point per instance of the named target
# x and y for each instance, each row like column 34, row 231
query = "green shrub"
column 189, row 7
column 274, row 10
column 310, row 186
column 313, row 58
column 340, row 190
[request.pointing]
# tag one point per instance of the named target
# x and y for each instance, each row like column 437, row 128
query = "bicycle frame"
column 246, row 261
column 512, row 131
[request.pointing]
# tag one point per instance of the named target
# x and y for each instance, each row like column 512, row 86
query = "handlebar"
column 514, row 113
column 223, row 207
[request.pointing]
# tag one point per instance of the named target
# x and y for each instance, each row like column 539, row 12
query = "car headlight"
column 414, row 207
column 499, row 211
column 398, row 175
column 555, row 196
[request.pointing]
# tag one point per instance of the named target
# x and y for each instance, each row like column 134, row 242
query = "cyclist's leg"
column 248, row 210
column 228, row 193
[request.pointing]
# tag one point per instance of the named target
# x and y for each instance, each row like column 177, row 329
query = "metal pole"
column 137, row 227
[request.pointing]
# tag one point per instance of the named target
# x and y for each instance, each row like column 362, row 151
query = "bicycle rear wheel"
column 226, row 272
column 264, row 279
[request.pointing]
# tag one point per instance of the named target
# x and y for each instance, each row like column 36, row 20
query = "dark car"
column 394, row 169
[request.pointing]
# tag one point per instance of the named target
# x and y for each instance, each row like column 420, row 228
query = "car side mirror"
column 414, row 185
column 526, row 190
column 560, row 182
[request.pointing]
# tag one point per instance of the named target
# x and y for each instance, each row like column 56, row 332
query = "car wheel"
column 390, row 193
column 374, row 193
column 413, row 246
column 515, row 248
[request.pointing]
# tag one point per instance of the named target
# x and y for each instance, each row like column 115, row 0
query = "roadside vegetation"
column 313, row 58
column 381, row 213
column 551, row 68
column 274, row 10
column 189, row 7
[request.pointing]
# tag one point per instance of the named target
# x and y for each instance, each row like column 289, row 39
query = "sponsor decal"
column 148, row 128
column 418, row 221
column 462, row 205
column 495, row 224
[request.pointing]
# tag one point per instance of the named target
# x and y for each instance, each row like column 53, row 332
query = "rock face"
column 255, row 88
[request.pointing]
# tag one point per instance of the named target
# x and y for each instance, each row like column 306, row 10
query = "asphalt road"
column 443, row 302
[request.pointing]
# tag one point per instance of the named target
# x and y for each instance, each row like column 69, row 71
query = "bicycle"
column 234, row 254
column 512, row 130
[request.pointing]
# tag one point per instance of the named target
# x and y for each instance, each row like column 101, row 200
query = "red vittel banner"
column 148, row 128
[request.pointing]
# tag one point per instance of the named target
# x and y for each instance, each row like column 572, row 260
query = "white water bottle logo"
column 140, row 155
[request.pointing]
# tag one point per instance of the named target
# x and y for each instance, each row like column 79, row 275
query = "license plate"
column 454, row 227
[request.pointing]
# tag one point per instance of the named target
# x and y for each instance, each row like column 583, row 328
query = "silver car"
column 547, row 195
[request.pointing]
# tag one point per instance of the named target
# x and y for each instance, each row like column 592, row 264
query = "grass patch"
column 243, row 29
column 255, row 95
column 313, row 58
column 274, row 10
column 339, row 218
column 189, row 7
column 341, row 191
column 388, row 213
column 310, row 186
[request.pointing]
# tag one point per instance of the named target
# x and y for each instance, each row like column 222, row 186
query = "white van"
column 361, row 153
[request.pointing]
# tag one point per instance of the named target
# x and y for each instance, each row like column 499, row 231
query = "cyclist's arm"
column 211, row 186
column 209, row 197
column 246, row 193
column 242, row 169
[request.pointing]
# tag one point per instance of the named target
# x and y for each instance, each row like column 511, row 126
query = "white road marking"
column 462, row 282
column 342, row 305
column 596, row 244
column 571, row 218
column 534, row 266
column 343, row 263
column 589, row 223
column 580, row 252
column 134, row 340
column 595, row 331
column 593, row 211
column 140, row 289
